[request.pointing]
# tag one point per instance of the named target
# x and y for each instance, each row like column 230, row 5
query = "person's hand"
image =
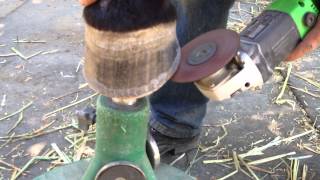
column 87, row 2
column 309, row 43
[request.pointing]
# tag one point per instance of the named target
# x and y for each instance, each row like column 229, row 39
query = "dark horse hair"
column 128, row 15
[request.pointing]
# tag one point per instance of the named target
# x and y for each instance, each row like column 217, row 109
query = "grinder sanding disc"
column 206, row 55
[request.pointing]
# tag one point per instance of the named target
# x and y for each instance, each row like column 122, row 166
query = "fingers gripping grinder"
column 222, row 63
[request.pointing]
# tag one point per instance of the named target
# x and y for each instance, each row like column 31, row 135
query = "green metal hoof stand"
column 120, row 152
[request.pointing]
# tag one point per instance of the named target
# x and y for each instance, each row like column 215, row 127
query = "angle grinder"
column 222, row 62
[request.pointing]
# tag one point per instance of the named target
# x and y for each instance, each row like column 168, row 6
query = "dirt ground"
column 46, row 76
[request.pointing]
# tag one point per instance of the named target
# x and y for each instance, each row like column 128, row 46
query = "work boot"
column 174, row 146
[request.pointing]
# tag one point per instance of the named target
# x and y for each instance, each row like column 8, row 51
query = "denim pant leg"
column 179, row 109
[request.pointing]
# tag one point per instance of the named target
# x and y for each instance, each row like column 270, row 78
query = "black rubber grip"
column 269, row 39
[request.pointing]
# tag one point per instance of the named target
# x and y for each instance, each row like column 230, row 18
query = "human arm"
column 87, row 2
column 309, row 43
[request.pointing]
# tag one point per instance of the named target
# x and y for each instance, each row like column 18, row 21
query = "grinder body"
column 273, row 35
column 264, row 44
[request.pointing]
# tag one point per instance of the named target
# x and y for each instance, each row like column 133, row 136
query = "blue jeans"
column 178, row 110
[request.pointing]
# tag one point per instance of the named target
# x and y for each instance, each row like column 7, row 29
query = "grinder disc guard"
column 206, row 55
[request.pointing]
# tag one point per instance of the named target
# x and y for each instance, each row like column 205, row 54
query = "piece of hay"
column 217, row 141
column 3, row 101
column 17, row 112
column 301, row 157
column 80, row 150
column 277, row 141
column 272, row 158
column 50, row 52
column 217, row 161
column 8, row 55
column 305, row 91
column 23, row 56
column 32, row 161
column 9, row 165
column 178, row 159
column 294, row 169
column 304, row 172
column 17, row 123
column 249, row 169
column 61, row 154
column 36, row 133
column 70, row 105
column 28, row 41
column 279, row 100
column 236, row 164
column 310, row 81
